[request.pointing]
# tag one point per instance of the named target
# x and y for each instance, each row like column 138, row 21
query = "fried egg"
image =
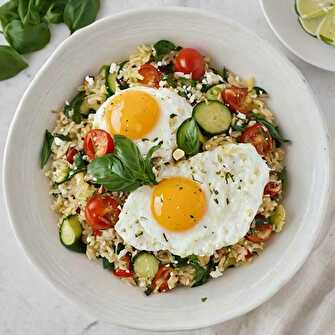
column 199, row 205
column 146, row 115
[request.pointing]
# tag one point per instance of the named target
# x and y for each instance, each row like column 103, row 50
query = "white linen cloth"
column 305, row 306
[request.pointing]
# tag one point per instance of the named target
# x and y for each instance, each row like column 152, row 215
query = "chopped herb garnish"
column 227, row 201
column 172, row 115
column 165, row 238
column 228, row 176
column 204, row 299
column 217, row 201
column 138, row 234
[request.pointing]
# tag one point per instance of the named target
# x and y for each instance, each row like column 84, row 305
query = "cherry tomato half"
column 102, row 211
column 71, row 152
column 272, row 189
column 260, row 234
column 161, row 279
column 98, row 143
column 259, row 137
column 189, row 60
column 235, row 98
column 151, row 75
column 125, row 273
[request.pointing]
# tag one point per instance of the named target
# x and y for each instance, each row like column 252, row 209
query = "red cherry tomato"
column 151, row 75
column 98, row 143
column 260, row 234
column 102, row 211
column 189, row 60
column 272, row 189
column 259, row 137
column 161, row 279
column 125, row 273
column 71, row 152
column 235, row 97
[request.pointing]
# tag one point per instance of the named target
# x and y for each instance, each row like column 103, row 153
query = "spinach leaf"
column 27, row 38
column 72, row 110
column 8, row 12
column 125, row 170
column 188, row 135
column 80, row 13
column 63, row 137
column 46, row 148
column 163, row 47
column 273, row 130
column 11, row 63
column 28, row 12
column 55, row 13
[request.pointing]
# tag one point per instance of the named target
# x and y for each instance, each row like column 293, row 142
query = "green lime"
column 326, row 31
column 307, row 9
column 311, row 25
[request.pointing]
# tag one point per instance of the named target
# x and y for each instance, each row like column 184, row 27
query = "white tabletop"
column 29, row 305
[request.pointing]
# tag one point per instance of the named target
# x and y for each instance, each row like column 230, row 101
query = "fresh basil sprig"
column 188, row 135
column 80, row 13
column 162, row 48
column 125, row 170
column 46, row 148
column 273, row 130
column 11, row 63
column 27, row 38
column 72, row 110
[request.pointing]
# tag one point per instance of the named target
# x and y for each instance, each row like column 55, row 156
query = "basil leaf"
column 163, row 47
column 273, row 130
column 188, row 137
column 80, row 13
column 46, row 148
column 8, row 13
column 72, row 110
column 148, row 164
column 63, row 137
column 109, row 172
column 201, row 274
column 27, row 38
column 28, row 12
column 11, row 63
column 55, row 12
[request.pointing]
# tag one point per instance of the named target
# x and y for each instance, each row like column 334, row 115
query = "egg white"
column 174, row 109
column 225, row 222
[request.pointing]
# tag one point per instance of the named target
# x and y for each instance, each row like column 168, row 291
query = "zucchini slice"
column 212, row 116
column 215, row 91
column 70, row 233
column 146, row 265
column 112, row 82
column 60, row 171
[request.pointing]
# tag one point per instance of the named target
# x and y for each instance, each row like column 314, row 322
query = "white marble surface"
column 29, row 305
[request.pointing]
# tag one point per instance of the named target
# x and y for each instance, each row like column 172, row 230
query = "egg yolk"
column 178, row 203
column 133, row 114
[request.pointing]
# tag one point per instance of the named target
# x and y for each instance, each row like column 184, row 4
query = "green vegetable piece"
column 163, row 47
column 188, row 137
column 146, row 265
column 284, row 181
column 112, row 83
column 277, row 219
column 80, row 13
column 62, row 137
column 214, row 92
column 55, row 12
column 70, row 234
column 260, row 91
column 107, row 265
column 79, row 165
column 28, row 12
column 60, row 171
column 11, row 63
column 212, row 116
column 8, row 13
column 46, row 148
column 27, row 38
column 72, row 110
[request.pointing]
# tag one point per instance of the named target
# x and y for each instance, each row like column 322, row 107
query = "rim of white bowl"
column 281, row 279
column 303, row 57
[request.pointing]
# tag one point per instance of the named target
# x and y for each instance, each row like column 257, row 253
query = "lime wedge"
column 326, row 31
column 311, row 25
column 308, row 9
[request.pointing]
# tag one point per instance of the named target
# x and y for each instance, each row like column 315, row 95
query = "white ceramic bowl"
column 283, row 20
column 84, row 282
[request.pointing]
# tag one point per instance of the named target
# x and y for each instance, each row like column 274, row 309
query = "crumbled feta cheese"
column 252, row 122
column 162, row 83
column 89, row 80
column 159, row 63
column 241, row 116
column 210, row 78
column 122, row 253
column 183, row 75
column 216, row 273
column 58, row 141
column 198, row 86
column 113, row 68
column 178, row 154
